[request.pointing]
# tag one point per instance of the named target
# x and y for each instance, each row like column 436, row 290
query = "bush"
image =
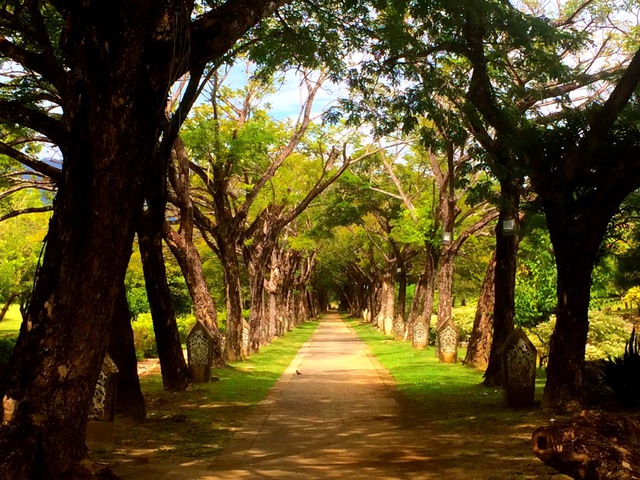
column 144, row 337
column 6, row 348
column 622, row 373
column 607, row 336
column 463, row 317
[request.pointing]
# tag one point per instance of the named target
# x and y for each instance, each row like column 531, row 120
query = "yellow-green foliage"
column 633, row 297
column 607, row 336
column 12, row 320
column 463, row 318
column 144, row 337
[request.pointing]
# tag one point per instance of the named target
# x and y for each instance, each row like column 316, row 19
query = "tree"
column 98, row 63
column 240, row 148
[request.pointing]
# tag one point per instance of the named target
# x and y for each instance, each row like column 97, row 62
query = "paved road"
column 340, row 419
column 337, row 418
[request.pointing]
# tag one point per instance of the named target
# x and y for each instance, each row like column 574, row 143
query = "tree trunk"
column 228, row 257
column 129, row 398
column 175, row 374
column 480, row 341
column 54, row 368
column 204, row 309
column 114, row 69
column 402, row 294
column 422, row 303
column 256, row 309
column 387, row 301
column 505, row 279
column 563, row 391
column 445, row 285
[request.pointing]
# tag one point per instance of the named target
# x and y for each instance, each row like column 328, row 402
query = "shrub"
column 607, row 336
column 621, row 374
column 6, row 348
column 463, row 317
column 144, row 337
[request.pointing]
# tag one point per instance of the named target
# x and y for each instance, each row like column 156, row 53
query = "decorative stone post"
column 448, row 337
column 200, row 352
column 419, row 334
column 387, row 325
column 99, row 436
column 246, row 329
column 519, row 369
column 398, row 328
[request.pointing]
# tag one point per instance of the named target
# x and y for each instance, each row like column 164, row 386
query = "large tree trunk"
column 402, row 294
column 445, row 286
column 117, row 63
column 576, row 232
column 190, row 263
column 387, row 301
column 175, row 374
column 233, row 291
column 129, row 398
column 480, row 341
column 563, row 391
column 422, row 304
column 505, row 279
column 54, row 368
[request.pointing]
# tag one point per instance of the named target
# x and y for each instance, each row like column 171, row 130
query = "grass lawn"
column 12, row 320
column 450, row 392
column 198, row 422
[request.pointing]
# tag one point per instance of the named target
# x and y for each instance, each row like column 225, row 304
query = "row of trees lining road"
column 92, row 81
column 480, row 90
column 512, row 91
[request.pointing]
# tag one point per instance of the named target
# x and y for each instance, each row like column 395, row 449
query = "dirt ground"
column 335, row 413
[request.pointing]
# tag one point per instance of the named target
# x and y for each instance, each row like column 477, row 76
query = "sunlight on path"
column 337, row 418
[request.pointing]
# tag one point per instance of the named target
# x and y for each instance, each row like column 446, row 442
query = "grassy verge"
column 447, row 393
column 199, row 422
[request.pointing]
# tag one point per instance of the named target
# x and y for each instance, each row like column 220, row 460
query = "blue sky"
column 287, row 100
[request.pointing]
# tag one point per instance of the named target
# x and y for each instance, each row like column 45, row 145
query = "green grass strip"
column 440, row 390
column 200, row 421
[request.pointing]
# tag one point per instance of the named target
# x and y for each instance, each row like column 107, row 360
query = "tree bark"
column 387, row 301
column 402, row 294
column 422, row 304
column 58, row 356
column 184, row 250
column 445, row 285
column 190, row 263
column 480, row 341
column 563, row 391
column 233, row 292
column 116, row 65
column 175, row 374
column 129, row 398
column 505, row 277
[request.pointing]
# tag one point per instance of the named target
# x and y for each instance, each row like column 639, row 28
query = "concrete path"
column 337, row 418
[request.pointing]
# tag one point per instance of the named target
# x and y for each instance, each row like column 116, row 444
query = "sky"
column 287, row 100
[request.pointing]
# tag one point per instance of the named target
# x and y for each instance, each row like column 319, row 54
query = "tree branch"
column 37, row 165
column 25, row 211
